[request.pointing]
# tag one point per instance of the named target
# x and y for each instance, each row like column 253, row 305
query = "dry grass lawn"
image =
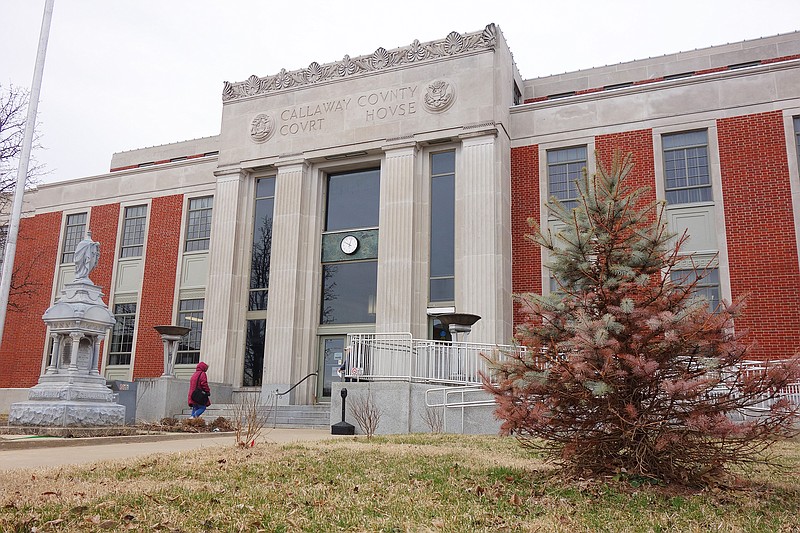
column 403, row 483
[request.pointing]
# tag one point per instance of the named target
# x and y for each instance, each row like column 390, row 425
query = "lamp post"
column 343, row 428
column 24, row 160
column 458, row 324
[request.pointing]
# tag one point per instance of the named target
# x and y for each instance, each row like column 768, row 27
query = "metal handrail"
column 294, row 386
column 287, row 391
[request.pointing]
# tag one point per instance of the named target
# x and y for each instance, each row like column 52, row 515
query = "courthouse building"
column 373, row 193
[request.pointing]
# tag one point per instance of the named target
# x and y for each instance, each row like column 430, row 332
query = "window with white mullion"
column 133, row 228
column 686, row 171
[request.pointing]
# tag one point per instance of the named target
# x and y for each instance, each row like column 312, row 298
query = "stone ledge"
column 62, row 437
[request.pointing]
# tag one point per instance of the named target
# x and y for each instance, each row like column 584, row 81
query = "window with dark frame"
column 198, row 224
column 443, row 227
column 74, row 231
column 353, row 200
column 122, row 334
column 564, row 169
column 133, row 227
column 258, row 297
column 262, row 244
column 349, row 288
column 190, row 315
column 686, row 174
column 254, row 352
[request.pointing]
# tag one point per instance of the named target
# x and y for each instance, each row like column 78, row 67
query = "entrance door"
column 331, row 354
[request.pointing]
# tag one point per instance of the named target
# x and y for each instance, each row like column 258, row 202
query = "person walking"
column 199, row 391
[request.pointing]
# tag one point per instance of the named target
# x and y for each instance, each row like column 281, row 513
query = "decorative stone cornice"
column 453, row 45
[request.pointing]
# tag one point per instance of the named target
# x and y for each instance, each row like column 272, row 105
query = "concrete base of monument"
column 66, row 414
column 68, row 401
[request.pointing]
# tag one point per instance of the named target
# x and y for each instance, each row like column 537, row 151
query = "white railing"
column 397, row 356
column 461, row 398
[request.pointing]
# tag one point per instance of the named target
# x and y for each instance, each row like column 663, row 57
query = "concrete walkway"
column 22, row 451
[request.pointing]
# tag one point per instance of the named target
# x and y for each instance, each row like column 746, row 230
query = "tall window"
column 564, row 168
column 443, row 208
column 190, row 315
column 256, row 325
column 350, row 282
column 122, row 335
column 74, row 231
column 133, row 224
column 254, row 353
column 198, row 225
column 262, row 244
column 707, row 288
column 797, row 138
column 686, row 167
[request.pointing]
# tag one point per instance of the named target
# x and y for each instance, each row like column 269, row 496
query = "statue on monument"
column 87, row 254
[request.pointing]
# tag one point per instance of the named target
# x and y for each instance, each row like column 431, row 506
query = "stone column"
column 396, row 250
column 54, row 354
column 73, row 356
column 287, row 354
column 483, row 249
column 93, row 370
column 223, row 292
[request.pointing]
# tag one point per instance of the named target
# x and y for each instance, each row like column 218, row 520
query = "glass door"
column 331, row 355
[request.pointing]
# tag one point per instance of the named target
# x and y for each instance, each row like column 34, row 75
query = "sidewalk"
column 23, row 451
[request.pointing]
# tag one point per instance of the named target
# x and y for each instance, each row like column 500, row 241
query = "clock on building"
column 349, row 244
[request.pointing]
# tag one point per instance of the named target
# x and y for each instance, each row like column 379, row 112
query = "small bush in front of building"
column 366, row 412
column 221, row 423
column 194, row 424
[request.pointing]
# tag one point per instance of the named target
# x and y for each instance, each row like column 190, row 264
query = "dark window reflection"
column 348, row 293
column 262, row 244
column 254, row 353
column 353, row 200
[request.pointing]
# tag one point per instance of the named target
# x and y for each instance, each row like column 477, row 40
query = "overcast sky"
column 125, row 74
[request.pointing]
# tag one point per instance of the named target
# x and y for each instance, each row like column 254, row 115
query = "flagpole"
column 22, row 171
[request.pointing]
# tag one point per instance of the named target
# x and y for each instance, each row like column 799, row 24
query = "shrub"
column 626, row 370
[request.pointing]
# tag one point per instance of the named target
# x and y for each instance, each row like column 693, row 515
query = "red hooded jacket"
column 199, row 380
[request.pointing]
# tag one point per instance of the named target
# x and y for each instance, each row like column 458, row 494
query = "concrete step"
column 294, row 416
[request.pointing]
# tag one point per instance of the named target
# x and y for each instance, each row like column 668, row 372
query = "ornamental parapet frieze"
column 453, row 45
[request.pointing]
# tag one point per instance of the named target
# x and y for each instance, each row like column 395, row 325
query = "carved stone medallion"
column 262, row 128
column 439, row 96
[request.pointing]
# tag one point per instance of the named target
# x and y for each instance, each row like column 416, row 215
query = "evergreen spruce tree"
column 626, row 371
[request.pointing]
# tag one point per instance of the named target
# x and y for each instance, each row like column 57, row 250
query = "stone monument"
column 71, row 392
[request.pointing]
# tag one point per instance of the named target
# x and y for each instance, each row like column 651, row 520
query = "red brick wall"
column 103, row 224
column 25, row 332
column 158, row 287
column 526, row 261
column 640, row 144
column 762, row 251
